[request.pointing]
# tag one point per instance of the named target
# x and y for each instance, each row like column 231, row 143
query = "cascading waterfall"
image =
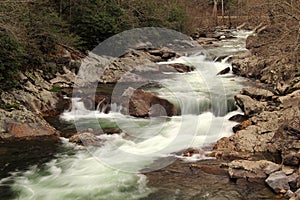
column 111, row 171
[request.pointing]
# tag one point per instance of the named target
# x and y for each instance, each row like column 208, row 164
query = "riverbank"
column 270, row 126
column 263, row 128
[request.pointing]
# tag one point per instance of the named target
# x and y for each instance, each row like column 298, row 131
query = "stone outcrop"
column 39, row 95
column 272, row 122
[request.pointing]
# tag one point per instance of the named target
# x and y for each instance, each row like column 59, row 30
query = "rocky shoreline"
column 270, row 124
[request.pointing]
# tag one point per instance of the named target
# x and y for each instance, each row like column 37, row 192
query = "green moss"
column 55, row 89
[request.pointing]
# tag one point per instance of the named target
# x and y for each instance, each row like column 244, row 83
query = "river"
column 113, row 170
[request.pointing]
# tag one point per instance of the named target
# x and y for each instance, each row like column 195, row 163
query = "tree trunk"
column 215, row 11
column 223, row 20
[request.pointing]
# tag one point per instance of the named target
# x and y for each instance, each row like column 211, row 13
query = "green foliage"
column 55, row 89
column 31, row 30
column 11, row 55
column 152, row 13
column 29, row 33
column 97, row 21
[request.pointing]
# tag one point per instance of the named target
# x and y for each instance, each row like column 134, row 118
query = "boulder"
column 134, row 62
column 23, row 124
column 252, row 169
column 144, row 104
column 258, row 93
column 249, row 105
column 85, row 139
column 278, row 181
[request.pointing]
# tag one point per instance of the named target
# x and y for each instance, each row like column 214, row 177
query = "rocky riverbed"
column 270, row 124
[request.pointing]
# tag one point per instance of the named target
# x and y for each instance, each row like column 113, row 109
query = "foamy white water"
column 112, row 171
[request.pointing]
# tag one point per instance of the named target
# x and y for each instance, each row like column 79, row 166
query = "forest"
column 31, row 30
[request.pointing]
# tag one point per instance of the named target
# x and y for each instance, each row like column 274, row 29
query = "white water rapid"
column 111, row 171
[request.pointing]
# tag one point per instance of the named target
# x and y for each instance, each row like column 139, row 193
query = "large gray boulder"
column 278, row 181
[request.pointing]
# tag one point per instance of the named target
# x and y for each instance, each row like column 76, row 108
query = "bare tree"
column 215, row 11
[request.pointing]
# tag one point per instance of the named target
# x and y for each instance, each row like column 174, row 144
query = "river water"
column 113, row 170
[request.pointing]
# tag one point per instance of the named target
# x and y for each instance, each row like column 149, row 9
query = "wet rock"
column 278, row 181
column 85, row 139
column 252, row 169
column 258, row 93
column 144, row 104
column 182, row 68
column 224, row 71
column 242, row 125
column 249, row 105
column 191, row 151
column 238, row 118
column 204, row 41
column 220, row 35
column 92, row 102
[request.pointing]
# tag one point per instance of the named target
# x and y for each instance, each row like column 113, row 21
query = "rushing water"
column 111, row 171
